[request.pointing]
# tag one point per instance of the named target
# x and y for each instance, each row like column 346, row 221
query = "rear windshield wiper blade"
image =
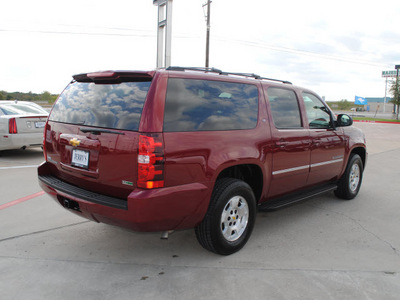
column 99, row 130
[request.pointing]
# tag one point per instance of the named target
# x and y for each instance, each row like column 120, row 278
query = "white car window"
column 9, row 110
column 21, row 109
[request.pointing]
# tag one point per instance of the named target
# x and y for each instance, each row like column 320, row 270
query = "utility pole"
column 208, row 4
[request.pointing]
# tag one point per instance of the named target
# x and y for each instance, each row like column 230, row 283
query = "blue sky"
column 338, row 48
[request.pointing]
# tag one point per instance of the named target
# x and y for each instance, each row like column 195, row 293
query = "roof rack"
column 278, row 80
column 213, row 70
column 252, row 75
column 218, row 71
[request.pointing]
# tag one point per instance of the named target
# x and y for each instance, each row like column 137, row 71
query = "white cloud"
column 336, row 48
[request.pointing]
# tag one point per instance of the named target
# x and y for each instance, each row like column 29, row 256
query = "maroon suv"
column 195, row 148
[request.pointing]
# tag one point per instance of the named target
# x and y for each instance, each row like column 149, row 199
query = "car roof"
column 223, row 73
column 185, row 72
column 17, row 105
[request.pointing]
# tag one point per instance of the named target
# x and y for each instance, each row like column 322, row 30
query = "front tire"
column 350, row 183
column 230, row 218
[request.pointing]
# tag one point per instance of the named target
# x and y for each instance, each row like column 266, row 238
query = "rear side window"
column 117, row 106
column 204, row 105
column 285, row 108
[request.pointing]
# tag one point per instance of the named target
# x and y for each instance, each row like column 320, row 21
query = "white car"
column 21, row 124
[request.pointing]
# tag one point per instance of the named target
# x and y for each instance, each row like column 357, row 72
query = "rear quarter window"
column 204, row 105
column 117, row 106
column 285, row 108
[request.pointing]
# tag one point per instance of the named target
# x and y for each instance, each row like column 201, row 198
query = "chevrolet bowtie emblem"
column 74, row 142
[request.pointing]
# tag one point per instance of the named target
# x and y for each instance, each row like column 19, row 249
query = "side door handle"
column 281, row 144
column 316, row 142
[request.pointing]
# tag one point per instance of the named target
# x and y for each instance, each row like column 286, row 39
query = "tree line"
column 45, row 96
column 395, row 92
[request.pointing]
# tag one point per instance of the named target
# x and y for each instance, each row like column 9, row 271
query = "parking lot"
column 323, row 248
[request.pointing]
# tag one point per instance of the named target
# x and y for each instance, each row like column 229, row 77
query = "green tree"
column 344, row 104
column 394, row 91
column 46, row 96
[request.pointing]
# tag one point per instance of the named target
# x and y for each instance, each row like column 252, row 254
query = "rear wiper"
column 99, row 130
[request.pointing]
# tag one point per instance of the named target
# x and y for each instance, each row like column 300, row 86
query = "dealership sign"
column 389, row 73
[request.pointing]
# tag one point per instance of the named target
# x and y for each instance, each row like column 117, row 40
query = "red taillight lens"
column 46, row 132
column 12, row 126
column 150, row 161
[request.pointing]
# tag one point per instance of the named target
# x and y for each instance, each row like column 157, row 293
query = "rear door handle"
column 281, row 143
column 316, row 142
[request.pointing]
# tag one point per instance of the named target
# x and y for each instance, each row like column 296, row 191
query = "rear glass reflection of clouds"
column 285, row 108
column 200, row 105
column 116, row 106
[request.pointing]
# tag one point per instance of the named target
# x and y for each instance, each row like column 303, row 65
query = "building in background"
column 378, row 105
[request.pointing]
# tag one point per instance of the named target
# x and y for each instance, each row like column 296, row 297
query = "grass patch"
column 375, row 119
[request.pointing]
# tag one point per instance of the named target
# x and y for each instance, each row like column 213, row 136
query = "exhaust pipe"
column 66, row 203
column 165, row 234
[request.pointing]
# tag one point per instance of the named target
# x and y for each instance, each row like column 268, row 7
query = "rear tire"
column 230, row 218
column 350, row 183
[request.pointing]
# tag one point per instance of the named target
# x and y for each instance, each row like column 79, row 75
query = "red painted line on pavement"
column 21, row 200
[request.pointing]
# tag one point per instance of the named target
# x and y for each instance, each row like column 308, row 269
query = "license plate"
column 80, row 158
column 40, row 124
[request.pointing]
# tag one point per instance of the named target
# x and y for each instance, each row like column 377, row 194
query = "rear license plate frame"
column 40, row 124
column 80, row 158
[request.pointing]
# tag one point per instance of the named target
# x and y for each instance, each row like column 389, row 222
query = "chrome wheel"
column 350, row 182
column 230, row 218
column 234, row 218
column 354, row 177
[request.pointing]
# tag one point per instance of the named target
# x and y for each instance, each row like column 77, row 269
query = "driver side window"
column 317, row 114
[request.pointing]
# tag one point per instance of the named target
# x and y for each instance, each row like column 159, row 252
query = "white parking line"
column 18, row 167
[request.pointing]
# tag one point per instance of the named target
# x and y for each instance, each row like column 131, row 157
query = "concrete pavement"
column 324, row 248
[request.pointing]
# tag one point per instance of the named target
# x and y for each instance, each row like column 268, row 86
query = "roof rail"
column 242, row 74
column 278, row 80
column 214, row 70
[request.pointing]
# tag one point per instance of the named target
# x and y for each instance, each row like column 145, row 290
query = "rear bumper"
column 19, row 140
column 168, row 208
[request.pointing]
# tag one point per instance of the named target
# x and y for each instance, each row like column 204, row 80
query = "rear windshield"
column 9, row 110
column 202, row 105
column 117, row 106
column 21, row 109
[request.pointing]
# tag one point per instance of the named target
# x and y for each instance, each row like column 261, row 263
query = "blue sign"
column 360, row 101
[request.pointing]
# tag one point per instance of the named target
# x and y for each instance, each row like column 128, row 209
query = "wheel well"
column 251, row 174
column 362, row 153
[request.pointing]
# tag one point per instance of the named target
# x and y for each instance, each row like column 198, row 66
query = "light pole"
column 396, row 94
column 208, row 4
column 164, row 32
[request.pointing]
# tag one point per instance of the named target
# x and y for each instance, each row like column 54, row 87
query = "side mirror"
column 344, row 120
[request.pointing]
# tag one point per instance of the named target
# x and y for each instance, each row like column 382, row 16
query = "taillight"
column 150, row 161
column 12, row 126
column 45, row 133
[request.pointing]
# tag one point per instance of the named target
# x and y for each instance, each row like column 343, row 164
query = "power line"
column 75, row 33
column 180, row 36
column 258, row 44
